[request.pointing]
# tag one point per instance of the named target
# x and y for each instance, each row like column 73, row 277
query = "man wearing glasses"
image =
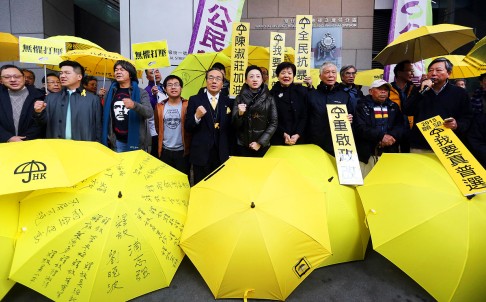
column 208, row 119
column 17, row 107
column 348, row 75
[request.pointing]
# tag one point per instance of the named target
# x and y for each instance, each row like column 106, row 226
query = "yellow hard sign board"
column 344, row 147
column 277, row 55
column 465, row 170
column 150, row 55
column 41, row 51
column 239, row 56
column 303, row 38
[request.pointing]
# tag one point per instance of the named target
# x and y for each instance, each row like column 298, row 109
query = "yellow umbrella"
column 462, row 69
column 49, row 163
column 255, row 229
column 111, row 237
column 478, row 51
column 422, row 223
column 9, row 216
column 96, row 62
column 75, row 43
column 9, row 44
column 347, row 232
column 192, row 70
column 366, row 77
column 425, row 42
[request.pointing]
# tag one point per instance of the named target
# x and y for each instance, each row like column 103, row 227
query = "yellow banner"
column 303, row 38
column 277, row 54
column 40, row 51
column 465, row 170
column 239, row 56
column 344, row 147
column 150, row 55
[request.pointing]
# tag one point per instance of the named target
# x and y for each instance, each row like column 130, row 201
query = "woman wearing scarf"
column 254, row 115
column 126, row 112
column 291, row 101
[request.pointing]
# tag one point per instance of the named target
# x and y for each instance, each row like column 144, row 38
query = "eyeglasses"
column 15, row 76
column 217, row 79
column 175, row 85
column 53, row 82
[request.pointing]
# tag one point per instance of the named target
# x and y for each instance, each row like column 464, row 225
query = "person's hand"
column 241, row 109
column 16, row 139
column 128, row 103
column 350, row 118
column 294, row 138
column 155, row 90
column 387, row 140
column 450, row 123
column 255, row 146
column 426, row 83
column 308, row 81
column 287, row 139
column 200, row 112
column 101, row 92
column 39, row 106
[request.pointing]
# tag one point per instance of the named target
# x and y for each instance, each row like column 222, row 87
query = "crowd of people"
column 201, row 133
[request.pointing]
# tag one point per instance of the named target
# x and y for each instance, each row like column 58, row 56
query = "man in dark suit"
column 17, row 107
column 208, row 118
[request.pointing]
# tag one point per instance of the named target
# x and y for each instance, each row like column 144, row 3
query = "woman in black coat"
column 254, row 115
column 291, row 101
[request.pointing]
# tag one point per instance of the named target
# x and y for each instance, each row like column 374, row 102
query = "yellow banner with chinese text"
column 465, row 170
column 303, row 38
column 239, row 56
column 344, row 147
column 41, row 51
column 277, row 56
column 150, row 55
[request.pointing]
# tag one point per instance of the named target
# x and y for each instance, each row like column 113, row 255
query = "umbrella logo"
column 302, row 267
column 34, row 169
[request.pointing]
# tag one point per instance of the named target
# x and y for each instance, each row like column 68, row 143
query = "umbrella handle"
column 245, row 296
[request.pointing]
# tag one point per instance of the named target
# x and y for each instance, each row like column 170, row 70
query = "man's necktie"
column 68, row 116
column 214, row 102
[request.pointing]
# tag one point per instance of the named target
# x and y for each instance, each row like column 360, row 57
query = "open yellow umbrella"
column 366, row 77
column 192, row 70
column 462, row 69
column 9, row 45
column 49, row 163
column 477, row 55
column 348, row 233
column 425, row 42
column 255, row 229
column 422, row 223
column 111, row 237
column 75, row 43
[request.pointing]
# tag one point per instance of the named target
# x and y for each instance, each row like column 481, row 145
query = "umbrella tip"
column 252, row 205
column 470, row 196
column 120, row 194
column 330, row 179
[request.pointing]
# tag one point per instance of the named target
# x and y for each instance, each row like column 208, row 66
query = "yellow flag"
column 41, row 51
column 344, row 147
column 150, row 55
column 277, row 53
column 239, row 56
column 303, row 38
column 465, row 170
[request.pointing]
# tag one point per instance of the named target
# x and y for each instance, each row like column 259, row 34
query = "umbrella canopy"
column 75, row 43
column 255, row 228
column 9, row 219
column 49, row 163
column 348, row 234
column 9, row 44
column 192, row 70
column 425, row 42
column 477, row 55
column 462, row 69
column 366, row 77
column 96, row 62
column 422, row 223
column 111, row 237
